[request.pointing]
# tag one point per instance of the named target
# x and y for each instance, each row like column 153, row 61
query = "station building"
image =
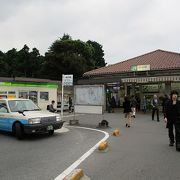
column 156, row 72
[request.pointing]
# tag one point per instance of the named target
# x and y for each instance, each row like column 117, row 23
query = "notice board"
column 89, row 99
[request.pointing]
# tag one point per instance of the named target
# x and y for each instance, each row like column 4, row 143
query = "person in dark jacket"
column 51, row 106
column 127, row 110
column 164, row 102
column 113, row 103
column 155, row 107
column 144, row 104
column 172, row 117
column 70, row 104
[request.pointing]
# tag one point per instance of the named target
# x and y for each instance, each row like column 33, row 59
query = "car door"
column 4, row 116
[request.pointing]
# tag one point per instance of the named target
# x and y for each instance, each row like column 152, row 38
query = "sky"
column 125, row 28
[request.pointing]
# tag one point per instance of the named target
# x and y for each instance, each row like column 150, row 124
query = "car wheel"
column 18, row 131
column 51, row 132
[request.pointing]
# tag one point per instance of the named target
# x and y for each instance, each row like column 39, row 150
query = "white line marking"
column 71, row 115
column 62, row 130
column 84, row 156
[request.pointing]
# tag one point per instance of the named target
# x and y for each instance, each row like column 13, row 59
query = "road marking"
column 71, row 115
column 62, row 130
column 84, row 156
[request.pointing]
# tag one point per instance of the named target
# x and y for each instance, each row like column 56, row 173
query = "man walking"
column 155, row 107
column 172, row 116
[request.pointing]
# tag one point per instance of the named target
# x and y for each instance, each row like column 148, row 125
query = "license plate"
column 50, row 127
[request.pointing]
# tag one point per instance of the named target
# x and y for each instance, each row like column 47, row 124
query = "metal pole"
column 62, row 95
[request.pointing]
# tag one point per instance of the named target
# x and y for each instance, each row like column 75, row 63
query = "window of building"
column 176, row 86
column 44, row 96
column 24, row 94
column 33, row 95
column 3, row 94
column 11, row 94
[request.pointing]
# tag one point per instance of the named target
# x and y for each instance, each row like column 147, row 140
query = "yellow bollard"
column 116, row 132
column 103, row 145
column 77, row 174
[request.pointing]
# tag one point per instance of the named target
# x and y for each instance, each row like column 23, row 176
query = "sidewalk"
column 140, row 153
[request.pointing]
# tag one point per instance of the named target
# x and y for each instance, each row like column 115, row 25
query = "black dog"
column 104, row 123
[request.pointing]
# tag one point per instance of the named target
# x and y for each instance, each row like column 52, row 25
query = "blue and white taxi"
column 22, row 116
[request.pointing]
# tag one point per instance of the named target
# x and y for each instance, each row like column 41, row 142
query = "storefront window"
column 33, row 96
column 3, row 94
column 11, row 94
column 153, row 88
column 44, row 96
column 175, row 86
column 23, row 94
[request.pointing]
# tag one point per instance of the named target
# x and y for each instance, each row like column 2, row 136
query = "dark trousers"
column 157, row 112
column 177, row 135
column 171, row 127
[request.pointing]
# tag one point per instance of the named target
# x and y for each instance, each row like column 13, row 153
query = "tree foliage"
column 98, row 54
column 65, row 56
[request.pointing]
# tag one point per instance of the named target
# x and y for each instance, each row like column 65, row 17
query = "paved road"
column 140, row 153
column 43, row 157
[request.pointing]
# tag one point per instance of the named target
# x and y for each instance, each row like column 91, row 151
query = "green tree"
column 10, row 63
column 67, row 56
column 36, row 62
column 23, row 61
column 2, row 64
column 29, row 64
column 98, row 54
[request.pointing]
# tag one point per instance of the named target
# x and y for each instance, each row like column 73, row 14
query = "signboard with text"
column 143, row 67
column 67, row 80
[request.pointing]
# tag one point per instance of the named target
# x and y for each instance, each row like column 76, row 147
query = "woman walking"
column 127, row 110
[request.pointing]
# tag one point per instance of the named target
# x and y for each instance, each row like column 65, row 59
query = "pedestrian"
column 70, row 104
column 138, row 100
column 144, row 104
column 164, row 103
column 51, row 106
column 172, row 117
column 133, row 106
column 113, row 103
column 108, row 105
column 155, row 107
column 127, row 111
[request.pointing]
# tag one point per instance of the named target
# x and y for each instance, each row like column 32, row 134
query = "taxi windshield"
column 22, row 105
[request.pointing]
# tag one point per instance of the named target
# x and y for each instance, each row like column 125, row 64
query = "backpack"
column 47, row 107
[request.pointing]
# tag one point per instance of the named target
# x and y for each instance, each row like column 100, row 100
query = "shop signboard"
column 143, row 67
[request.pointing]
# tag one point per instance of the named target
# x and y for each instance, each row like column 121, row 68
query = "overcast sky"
column 125, row 28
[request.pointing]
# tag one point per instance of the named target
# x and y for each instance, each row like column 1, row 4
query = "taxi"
column 22, row 116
